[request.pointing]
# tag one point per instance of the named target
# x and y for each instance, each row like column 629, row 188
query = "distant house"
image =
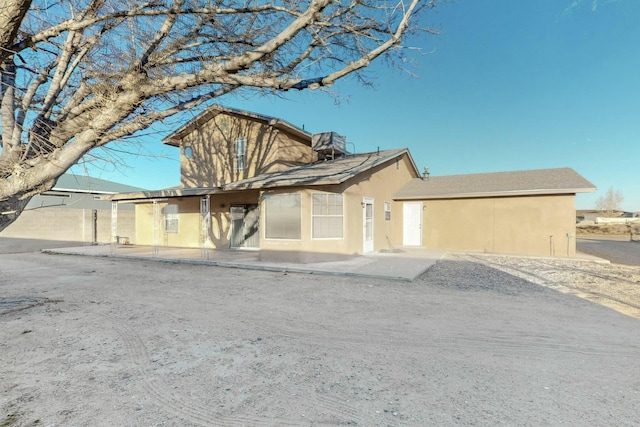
column 250, row 181
column 587, row 215
column 600, row 217
column 629, row 215
column 74, row 211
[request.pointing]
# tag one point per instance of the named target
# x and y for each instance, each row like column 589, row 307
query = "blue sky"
column 508, row 85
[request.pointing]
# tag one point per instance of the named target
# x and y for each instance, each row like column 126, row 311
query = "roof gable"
column 207, row 115
column 529, row 182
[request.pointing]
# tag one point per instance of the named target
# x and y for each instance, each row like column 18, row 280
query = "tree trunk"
column 12, row 13
column 11, row 209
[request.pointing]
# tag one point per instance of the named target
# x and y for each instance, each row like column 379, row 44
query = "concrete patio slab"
column 403, row 265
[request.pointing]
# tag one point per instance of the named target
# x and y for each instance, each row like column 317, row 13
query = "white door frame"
column 367, row 225
column 412, row 224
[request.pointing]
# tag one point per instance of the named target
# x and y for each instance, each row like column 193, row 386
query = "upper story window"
column 188, row 151
column 241, row 154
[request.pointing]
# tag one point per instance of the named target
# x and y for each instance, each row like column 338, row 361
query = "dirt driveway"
column 111, row 342
column 617, row 251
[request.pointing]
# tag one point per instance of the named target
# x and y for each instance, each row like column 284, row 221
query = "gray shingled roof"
column 528, row 182
column 88, row 184
column 319, row 173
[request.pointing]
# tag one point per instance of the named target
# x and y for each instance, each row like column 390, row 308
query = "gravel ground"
column 476, row 340
column 611, row 285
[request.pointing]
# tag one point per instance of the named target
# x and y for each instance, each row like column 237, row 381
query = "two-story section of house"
column 254, row 181
column 224, row 145
column 219, row 147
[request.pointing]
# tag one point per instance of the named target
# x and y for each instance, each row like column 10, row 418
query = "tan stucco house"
column 250, row 181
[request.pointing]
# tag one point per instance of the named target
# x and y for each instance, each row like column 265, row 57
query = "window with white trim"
column 241, row 153
column 170, row 218
column 387, row 211
column 282, row 216
column 327, row 216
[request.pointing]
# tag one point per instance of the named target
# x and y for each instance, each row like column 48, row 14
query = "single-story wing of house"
column 527, row 212
column 250, row 181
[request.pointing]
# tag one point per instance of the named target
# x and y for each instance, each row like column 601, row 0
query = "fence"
column 80, row 225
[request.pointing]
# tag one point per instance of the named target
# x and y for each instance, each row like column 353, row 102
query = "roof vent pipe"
column 354, row 147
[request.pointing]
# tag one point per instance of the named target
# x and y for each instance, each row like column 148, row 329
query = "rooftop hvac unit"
column 329, row 144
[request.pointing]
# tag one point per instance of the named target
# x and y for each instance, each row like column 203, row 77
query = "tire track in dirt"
column 311, row 332
column 347, row 414
column 525, row 345
column 479, row 338
column 161, row 393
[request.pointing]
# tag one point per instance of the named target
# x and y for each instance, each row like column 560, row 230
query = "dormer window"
column 241, row 154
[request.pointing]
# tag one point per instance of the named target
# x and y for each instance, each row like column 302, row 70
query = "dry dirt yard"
column 475, row 341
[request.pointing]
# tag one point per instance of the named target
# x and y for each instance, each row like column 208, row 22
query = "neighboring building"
column 256, row 182
column 629, row 215
column 587, row 215
column 599, row 217
column 74, row 211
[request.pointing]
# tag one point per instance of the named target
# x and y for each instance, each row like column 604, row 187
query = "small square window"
column 171, row 218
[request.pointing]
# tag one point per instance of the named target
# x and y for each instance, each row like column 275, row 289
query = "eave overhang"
column 162, row 194
column 479, row 195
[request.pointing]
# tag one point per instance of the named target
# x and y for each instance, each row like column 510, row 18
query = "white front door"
column 367, row 223
column 412, row 224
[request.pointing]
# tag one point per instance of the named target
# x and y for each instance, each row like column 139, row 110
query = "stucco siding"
column 189, row 233
column 144, row 223
column 305, row 243
column 378, row 184
column 291, row 152
column 213, row 161
column 533, row 225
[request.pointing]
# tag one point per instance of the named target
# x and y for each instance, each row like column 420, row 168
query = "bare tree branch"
column 80, row 74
